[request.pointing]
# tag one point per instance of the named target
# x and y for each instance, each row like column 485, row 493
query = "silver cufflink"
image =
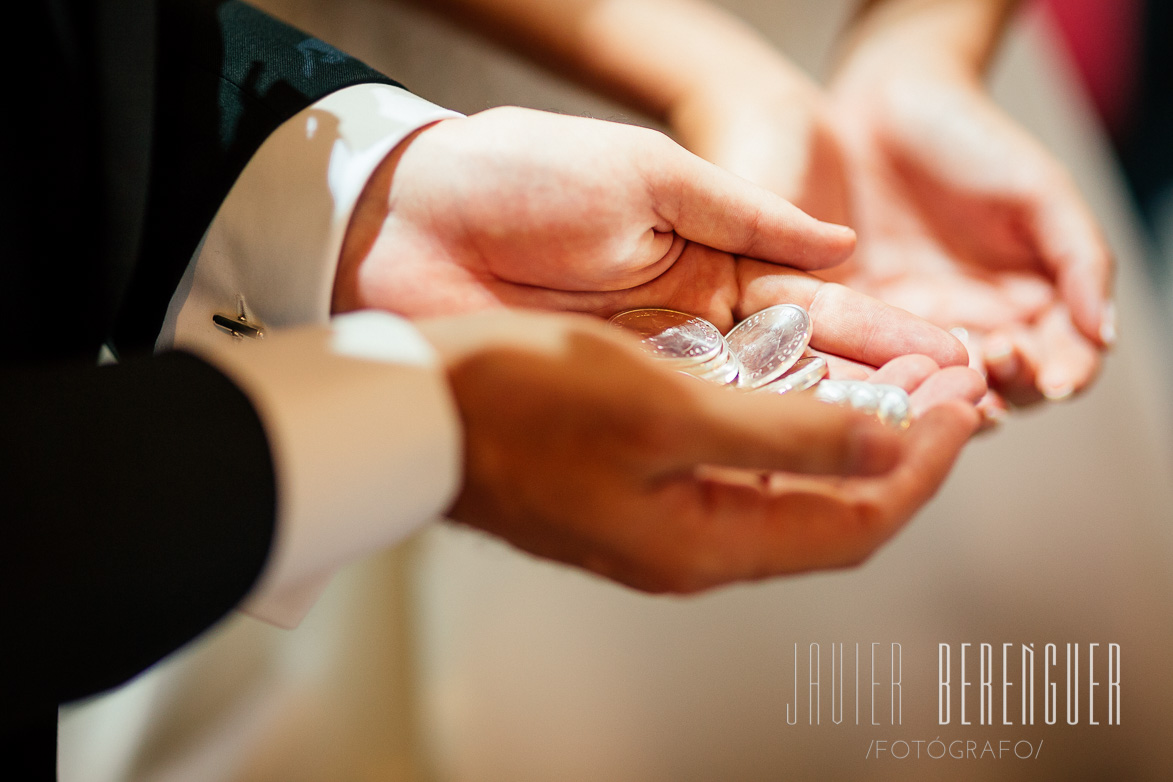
column 240, row 325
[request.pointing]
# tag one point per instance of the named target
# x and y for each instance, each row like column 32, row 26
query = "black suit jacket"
column 136, row 501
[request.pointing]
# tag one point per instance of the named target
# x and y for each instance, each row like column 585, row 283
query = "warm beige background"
column 458, row 659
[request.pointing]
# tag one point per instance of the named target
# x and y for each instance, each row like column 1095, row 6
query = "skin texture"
column 582, row 450
column 578, row 447
column 561, row 213
column 969, row 223
column 963, row 219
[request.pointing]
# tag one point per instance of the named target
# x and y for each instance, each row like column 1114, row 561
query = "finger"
column 907, row 372
column 811, row 524
column 839, row 368
column 972, row 345
column 1074, row 251
column 1069, row 360
column 768, row 432
column 845, row 322
column 954, row 384
column 994, row 411
column 1015, row 358
column 934, row 442
column 1001, row 358
column 707, row 204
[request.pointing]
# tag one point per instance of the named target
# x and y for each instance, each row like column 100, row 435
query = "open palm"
column 966, row 221
column 520, row 208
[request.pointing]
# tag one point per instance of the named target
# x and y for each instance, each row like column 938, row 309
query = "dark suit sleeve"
column 138, row 501
column 228, row 75
column 140, row 504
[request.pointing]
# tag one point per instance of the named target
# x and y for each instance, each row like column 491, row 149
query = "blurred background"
column 1123, row 54
column 457, row 658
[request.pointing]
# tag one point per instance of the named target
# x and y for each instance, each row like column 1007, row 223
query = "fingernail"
column 1056, row 389
column 962, row 336
column 1058, row 393
column 996, row 416
column 1108, row 324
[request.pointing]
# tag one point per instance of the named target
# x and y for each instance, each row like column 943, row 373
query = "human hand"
column 962, row 217
column 770, row 124
column 580, row 449
column 967, row 221
column 514, row 206
column 524, row 208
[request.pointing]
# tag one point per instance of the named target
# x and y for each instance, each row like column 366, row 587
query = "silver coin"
column 890, row 404
column 834, row 391
column 859, row 394
column 722, row 357
column 673, row 336
column 726, row 372
column 895, row 408
column 718, row 369
column 769, row 342
column 865, row 398
column 805, row 373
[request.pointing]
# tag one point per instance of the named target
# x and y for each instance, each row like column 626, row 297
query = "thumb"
column 709, row 205
column 1074, row 251
column 792, row 434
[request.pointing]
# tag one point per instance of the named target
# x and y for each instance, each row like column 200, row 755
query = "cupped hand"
column 580, row 449
column 510, row 203
column 966, row 220
column 520, row 208
column 962, row 217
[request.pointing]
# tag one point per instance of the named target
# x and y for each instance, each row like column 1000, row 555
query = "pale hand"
column 962, row 218
column 513, row 207
column 773, row 126
column 968, row 222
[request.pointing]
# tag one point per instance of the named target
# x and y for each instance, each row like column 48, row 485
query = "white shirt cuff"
column 278, row 234
column 364, row 434
column 365, row 441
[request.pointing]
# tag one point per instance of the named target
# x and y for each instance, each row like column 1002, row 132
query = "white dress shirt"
column 364, row 434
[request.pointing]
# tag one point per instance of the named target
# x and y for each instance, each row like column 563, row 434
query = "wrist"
column 873, row 73
column 697, row 50
column 739, row 94
column 370, row 213
column 869, row 67
column 951, row 40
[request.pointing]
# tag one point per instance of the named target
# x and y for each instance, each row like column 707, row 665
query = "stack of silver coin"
column 689, row 344
column 771, row 345
column 766, row 352
column 888, row 403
